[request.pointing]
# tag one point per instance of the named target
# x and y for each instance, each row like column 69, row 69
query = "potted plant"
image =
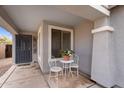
column 66, row 54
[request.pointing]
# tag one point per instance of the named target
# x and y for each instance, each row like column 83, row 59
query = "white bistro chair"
column 54, row 69
column 75, row 64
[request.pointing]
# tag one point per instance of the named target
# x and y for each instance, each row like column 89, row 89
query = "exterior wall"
column 45, row 42
column 103, row 67
column 101, row 22
column 40, row 47
column 117, row 21
column 2, row 51
column 102, row 59
column 83, row 45
column 13, row 49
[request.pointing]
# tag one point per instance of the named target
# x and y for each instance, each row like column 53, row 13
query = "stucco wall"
column 117, row 21
column 102, row 21
column 83, row 45
column 102, row 59
column 45, row 42
column 2, row 51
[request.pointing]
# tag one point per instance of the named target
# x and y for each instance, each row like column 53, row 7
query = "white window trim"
column 50, row 27
column 40, row 47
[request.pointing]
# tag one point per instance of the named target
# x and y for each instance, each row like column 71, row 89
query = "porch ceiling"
column 28, row 18
column 90, row 12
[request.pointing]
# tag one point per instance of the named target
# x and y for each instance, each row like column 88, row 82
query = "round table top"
column 68, row 61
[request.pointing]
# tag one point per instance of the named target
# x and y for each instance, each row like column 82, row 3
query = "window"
column 60, row 39
column 56, row 43
column 39, row 43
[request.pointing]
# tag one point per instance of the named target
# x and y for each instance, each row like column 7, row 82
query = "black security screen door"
column 23, row 49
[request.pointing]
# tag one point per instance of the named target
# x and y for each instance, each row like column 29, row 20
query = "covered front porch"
column 86, row 31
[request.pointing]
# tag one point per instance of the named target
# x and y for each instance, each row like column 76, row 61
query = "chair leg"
column 77, row 72
column 70, row 71
column 65, row 71
column 62, row 72
column 57, row 78
column 50, row 75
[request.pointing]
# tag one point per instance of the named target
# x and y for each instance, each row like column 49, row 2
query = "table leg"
column 70, row 71
column 65, row 70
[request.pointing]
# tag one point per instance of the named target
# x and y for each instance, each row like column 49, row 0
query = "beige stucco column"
column 102, row 70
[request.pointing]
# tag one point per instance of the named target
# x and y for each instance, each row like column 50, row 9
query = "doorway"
column 23, row 49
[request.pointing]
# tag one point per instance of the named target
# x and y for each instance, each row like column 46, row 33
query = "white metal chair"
column 75, row 64
column 54, row 69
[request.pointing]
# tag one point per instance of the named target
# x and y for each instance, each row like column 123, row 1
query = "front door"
column 23, row 49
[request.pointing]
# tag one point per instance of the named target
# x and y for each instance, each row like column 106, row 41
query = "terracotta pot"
column 66, row 58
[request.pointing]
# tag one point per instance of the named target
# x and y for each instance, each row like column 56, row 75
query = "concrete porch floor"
column 30, row 76
column 27, row 76
column 5, row 64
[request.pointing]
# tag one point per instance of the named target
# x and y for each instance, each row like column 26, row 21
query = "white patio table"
column 66, row 65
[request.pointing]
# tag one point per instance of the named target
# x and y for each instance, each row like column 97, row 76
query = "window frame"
column 50, row 27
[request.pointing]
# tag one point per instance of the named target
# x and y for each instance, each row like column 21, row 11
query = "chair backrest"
column 76, row 58
column 52, row 63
